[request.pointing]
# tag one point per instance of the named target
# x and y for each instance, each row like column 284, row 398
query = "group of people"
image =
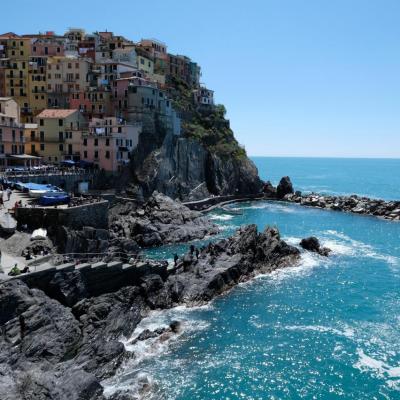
column 193, row 251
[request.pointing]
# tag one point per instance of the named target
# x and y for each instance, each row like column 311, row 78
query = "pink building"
column 47, row 47
column 107, row 144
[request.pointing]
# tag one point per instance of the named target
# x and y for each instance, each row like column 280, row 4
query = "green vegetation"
column 207, row 125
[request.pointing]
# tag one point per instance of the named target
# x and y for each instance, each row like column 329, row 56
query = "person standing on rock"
column 191, row 249
column 176, row 258
column 197, row 253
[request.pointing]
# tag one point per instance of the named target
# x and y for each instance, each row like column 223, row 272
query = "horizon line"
column 335, row 157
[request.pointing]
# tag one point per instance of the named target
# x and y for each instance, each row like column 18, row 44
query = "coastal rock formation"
column 159, row 221
column 223, row 264
column 177, row 165
column 312, row 244
column 62, row 349
column 355, row 204
column 284, row 188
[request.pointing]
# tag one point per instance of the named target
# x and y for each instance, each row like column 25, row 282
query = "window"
column 60, row 136
column 42, row 148
column 96, row 142
column 69, row 66
column 60, row 122
column 32, row 135
column 85, row 154
column 41, row 136
column 77, row 65
column 96, row 154
column 41, row 122
column 141, row 61
column 107, row 154
column 119, row 129
column 107, row 142
column 61, row 147
column 85, row 142
column 58, row 50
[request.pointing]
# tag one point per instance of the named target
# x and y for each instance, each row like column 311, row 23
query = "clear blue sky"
column 299, row 78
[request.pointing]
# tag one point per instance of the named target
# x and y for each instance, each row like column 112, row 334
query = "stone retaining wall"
column 99, row 278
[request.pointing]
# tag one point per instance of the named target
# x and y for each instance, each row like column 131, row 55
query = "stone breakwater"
column 389, row 210
column 61, row 341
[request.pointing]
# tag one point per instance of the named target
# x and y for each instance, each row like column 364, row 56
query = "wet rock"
column 312, row 244
column 269, row 190
column 355, row 204
column 285, row 187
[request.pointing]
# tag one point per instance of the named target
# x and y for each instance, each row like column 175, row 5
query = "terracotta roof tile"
column 52, row 113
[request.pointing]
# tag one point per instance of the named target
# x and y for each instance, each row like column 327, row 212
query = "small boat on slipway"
column 36, row 193
column 54, row 198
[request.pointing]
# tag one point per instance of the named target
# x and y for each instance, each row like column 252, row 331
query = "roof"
column 51, row 113
column 9, row 35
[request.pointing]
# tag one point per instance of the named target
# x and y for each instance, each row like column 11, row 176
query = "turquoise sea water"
column 325, row 329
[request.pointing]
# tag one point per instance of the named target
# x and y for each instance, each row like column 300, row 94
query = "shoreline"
column 90, row 326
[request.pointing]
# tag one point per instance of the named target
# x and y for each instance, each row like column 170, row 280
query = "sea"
column 328, row 328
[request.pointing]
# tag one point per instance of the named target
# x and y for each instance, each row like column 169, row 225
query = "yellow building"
column 54, row 126
column 16, row 83
column 30, row 134
column 37, row 89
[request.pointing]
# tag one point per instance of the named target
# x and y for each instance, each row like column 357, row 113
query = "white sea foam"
column 220, row 217
column 346, row 332
column 379, row 368
column 128, row 375
column 345, row 245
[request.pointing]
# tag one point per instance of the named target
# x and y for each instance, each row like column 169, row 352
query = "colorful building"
column 107, row 144
column 54, row 128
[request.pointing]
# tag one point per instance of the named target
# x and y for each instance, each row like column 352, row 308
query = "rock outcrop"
column 284, row 188
column 312, row 244
column 62, row 349
column 160, row 220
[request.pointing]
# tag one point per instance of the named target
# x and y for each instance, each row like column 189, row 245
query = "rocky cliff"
column 204, row 160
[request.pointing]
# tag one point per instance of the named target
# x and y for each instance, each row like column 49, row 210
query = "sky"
column 310, row 78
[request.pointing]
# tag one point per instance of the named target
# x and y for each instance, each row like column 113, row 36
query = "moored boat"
column 54, row 198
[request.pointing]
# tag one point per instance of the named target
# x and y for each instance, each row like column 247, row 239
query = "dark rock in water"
column 355, row 204
column 269, row 190
column 312, row 244
column 159, row 221
column 285, row 187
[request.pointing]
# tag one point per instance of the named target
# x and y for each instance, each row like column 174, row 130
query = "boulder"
column 312, row 244
column 285, row 187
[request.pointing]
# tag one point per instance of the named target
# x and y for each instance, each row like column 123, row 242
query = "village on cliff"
column 82, row 99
